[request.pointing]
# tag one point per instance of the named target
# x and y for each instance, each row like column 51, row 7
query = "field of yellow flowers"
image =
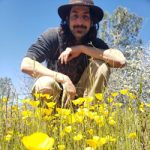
column 114, row 121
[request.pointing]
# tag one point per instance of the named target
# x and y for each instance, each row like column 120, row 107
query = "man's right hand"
column 69, row 92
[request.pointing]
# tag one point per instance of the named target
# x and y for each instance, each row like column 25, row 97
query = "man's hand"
column 69, row 54
column 69, row 91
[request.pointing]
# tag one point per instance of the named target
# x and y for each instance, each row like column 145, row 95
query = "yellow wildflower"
column 141, row 107
column 34, row 103
column 62, row 134
column 27, row 100
column 117, row 104
column 78, row 101
column 132, row 96
column 72, row 119
column 78, row 137
column 63, row 111
column 89, row 99
column 90, row 131
column 14, row 107
column 82, row 112
column 68, row 129
column 61, row 147
column 124, row 91
column 99, row 96
column 40, row 95
column 111, row 121
column 114, row 94
column 8, row 137
column 102, row 108
column 96, row 142
column 102, row 141
column 50, row 104
column 47, row 112
column 99, row 120
column 110, row 99
column 132, row 135
column 26, row 114
column 148, row 105
column 38, row 141
column 92, row 143
column 110, row 139
column 4, row 99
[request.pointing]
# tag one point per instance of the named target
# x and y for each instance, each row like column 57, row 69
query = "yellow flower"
column 141, row 107
column 4, row 99
column 40, row 95
column 148, row 105
column 110, row 139
column 102, row 108
column 117, row 104
column 61, row 147
column 124, row 91
column 114, row 94
column 50, row 104
column 102, row 141
column 132, row 135
column 99, row 120
column 27, row 100
column 132, row 96
column 82, row 112
column 110, row 99
column 26, row 114
column 89, row 99
column 78, row 137
column 8, row 137
column 14, row 107
column 90, row 131
column 78, row 101
column 92, row 143
column 62, row 134
column 34, row 103
column 63, row 111
column 68, row 129
column 99, row 96
column 111, row 121
column 96, row 142
column 38, row 141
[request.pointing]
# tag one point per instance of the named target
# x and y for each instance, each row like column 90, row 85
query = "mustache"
column 79, row 26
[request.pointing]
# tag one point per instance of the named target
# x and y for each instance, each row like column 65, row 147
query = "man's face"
column 79, row 21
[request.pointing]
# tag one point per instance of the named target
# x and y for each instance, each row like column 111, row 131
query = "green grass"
column 99, row 123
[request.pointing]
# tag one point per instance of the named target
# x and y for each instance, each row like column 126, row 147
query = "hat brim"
column 97, row 12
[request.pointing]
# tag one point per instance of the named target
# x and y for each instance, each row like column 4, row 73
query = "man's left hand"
column 69, row 54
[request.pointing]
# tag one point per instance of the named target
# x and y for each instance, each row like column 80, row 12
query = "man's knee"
column 46, row 85
column 101, row 67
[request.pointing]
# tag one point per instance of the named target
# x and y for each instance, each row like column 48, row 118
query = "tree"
column 121, row 28
column 7, row 88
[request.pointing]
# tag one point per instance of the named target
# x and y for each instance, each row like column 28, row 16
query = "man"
column 77, row 61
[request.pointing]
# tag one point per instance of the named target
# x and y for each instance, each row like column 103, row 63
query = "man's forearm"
column 35, row 69
column 113, row 57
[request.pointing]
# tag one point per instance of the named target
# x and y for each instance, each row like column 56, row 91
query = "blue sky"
column 22, row 21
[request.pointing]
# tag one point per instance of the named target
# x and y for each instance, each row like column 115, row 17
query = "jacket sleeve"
column 44, row 47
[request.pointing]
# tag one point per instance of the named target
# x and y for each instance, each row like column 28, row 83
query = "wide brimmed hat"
column 97, row 12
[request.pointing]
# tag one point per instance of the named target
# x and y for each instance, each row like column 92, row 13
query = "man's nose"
column 79, row 20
